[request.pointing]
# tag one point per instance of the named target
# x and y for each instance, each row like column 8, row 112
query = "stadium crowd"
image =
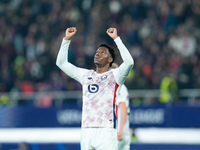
column 162, row 36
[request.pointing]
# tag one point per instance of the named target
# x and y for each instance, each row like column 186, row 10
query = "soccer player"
column 98, row 128
column 123, row 132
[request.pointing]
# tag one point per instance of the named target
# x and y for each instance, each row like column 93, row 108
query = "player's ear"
column 110, row 59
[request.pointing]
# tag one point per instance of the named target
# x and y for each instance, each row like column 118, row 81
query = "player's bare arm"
column 112, row 32
column 123, row 115
column 70, row 32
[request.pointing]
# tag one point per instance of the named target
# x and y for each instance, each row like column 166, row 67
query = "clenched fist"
column 70, row 32
column 112, row 32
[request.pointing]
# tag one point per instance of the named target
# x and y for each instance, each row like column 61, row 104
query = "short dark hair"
column 111, row 51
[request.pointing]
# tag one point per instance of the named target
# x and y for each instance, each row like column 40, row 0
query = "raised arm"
column 62, row 58
column 124, row 69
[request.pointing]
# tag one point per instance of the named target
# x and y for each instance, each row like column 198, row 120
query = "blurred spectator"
column 5, row 101
column 23, row 146
column 44, row 101
column 162, row 36
column 169, row 90
column 184, row 43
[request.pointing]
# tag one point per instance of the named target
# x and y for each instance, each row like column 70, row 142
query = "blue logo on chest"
column 93, row 88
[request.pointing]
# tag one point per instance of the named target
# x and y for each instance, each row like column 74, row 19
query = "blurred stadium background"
column 40, row 106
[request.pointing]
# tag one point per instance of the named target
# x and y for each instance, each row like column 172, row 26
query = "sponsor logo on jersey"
column 93, row 88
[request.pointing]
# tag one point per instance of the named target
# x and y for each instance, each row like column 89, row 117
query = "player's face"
column 102, row 56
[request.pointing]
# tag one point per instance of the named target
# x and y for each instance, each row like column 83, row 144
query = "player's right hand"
column 70, row 32
column 120, row 135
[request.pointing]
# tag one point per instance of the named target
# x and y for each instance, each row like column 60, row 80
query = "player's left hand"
column 70, row 32
column 112, row 32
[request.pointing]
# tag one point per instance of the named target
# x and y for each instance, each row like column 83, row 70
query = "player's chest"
column 94, row 83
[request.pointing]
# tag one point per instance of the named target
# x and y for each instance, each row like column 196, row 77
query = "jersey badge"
column 104, row 77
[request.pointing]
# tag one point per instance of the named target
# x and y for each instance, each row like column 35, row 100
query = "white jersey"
column 99, row 90
column 99, row 93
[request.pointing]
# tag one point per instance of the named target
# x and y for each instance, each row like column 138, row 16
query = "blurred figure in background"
column 23, row 146
column 169, row 90
column 123, row 131
column 5, row 101
column 156, row 33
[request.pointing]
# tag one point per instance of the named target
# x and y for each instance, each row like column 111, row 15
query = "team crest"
column 104, row 77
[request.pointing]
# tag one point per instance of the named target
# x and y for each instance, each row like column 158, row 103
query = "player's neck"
column 102, row 69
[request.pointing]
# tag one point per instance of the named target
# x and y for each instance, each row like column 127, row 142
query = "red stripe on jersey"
column 115, row 93
column 115, row 106
column 114, row 100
